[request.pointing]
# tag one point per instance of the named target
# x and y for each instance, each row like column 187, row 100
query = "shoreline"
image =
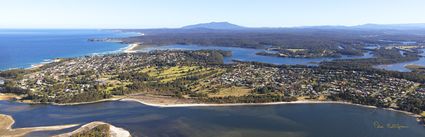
column 41, row 64
column 132, row 48
column 71, row 104
column 262, row 104
column 177, row 105
column 6, row 123
column 113, row 130
column 417, row 116
column 182, row 105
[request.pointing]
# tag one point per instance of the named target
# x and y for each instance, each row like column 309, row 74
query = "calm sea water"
column 401, row 66
column 23, row 48
column 295, row 120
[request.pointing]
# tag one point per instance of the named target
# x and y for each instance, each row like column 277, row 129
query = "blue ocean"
column 23, row 48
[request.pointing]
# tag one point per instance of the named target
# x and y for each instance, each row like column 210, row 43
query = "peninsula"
column 201, row 77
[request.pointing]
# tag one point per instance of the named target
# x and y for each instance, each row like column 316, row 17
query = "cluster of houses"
column 2, row 80
column 316, row 81
column 78, row 75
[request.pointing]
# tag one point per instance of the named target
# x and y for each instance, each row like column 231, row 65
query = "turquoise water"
column 23, row 48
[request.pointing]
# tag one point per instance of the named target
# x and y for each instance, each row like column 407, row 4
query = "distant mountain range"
column 230, row 26
column 215, row 25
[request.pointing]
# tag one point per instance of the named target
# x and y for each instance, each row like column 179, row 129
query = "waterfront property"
column 201, row 77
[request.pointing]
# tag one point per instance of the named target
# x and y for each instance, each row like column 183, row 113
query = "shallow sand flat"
column 172, row 102
column 113, row 131
column 6, row 130
column 7, row 96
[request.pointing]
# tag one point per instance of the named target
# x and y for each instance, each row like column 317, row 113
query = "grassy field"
column 195, row 78
column 232, row 91
column 170, row 74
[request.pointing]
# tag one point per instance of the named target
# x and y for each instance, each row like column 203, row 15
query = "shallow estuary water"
column 304, row 120
column 401, row 66
column 245, row 54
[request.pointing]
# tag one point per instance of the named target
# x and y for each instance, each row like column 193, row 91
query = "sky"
column 177, row 13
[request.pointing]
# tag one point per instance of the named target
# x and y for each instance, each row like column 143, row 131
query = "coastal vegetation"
column 201, row 77
column 294, row 42
column 98, row 131
column 303, row 53
column 336, row 39
column 381, row 56
column 416, row 68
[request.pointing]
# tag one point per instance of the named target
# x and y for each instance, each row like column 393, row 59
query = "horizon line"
column 265, row 27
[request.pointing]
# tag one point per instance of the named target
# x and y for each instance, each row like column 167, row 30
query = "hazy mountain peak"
column 214, row 25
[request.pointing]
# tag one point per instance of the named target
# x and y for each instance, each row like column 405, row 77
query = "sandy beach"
column 166, row 105
column 241, row 104
column 132, row 48
column 8, row 96
column 113, row 131
column 43, row 63
column 163, row 102
column 7, row 121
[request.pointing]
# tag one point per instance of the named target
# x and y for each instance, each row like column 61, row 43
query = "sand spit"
column 241, row 104
column 6, row 130
column 170, row 105
column 113, row 131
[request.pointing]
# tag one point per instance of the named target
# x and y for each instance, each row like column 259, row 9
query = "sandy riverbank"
column 8, row 96
column 6, row 129
column 115, row 98
column 113, row 131
column 168, row 102
column 241, row 104
column 168, row 105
